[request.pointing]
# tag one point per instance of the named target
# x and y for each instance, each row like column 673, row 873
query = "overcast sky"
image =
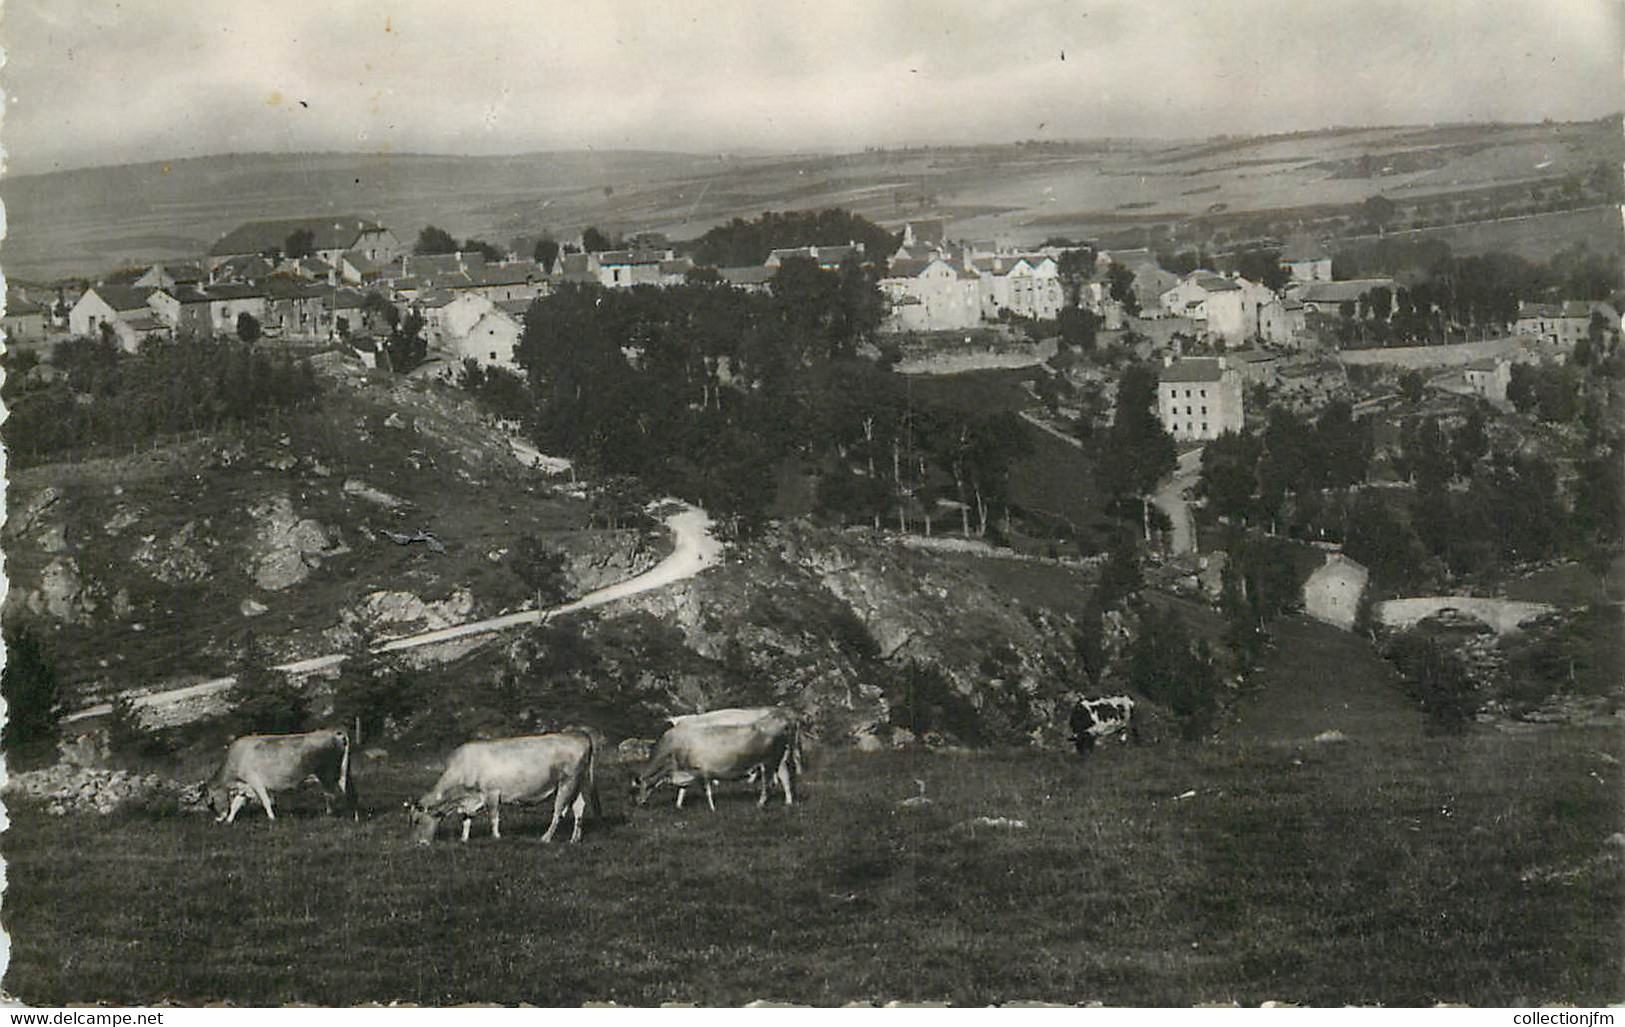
column 97, row 82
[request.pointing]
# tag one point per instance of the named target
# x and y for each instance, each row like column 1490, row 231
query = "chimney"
column 1167, row 360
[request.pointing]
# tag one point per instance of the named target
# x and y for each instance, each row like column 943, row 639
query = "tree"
column 370, row 694
column 483, row 248
column 1164, row 668
column 33, row 706
column 433, row 241
column 1121, row 282
column 406, row 348
column 1078, row 327
column 1230, row 476
column 301, row 242
column 1136, row 453
column 1264, row 267
column 595, row 241
column 1378, row 211
column 546, row 253
column 1411, row 385
column 375, row 308
column 541, row 568
column 264, row 700
column 248, row 327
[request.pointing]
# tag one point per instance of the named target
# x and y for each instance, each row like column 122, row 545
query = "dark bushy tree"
column 33, row 705
column 433, row 241
column 263, row 700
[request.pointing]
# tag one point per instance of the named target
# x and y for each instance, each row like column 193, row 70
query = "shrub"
column 33, row 706
column 1437, row 678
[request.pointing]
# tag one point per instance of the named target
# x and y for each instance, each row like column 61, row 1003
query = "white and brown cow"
column 1094, row 719
column 528, row 769
column 257, row 765
column 725, row 745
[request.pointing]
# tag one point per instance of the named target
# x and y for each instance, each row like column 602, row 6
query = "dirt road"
column 695, row 550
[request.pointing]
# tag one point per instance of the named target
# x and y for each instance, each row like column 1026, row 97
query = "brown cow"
column 257, row 765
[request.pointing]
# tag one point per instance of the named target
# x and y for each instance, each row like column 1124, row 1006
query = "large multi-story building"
column 1199, row 398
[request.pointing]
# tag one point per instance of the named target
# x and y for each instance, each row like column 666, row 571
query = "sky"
column 103, row 82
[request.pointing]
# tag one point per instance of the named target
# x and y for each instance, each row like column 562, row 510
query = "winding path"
column 1170, row 499
column 695, row 550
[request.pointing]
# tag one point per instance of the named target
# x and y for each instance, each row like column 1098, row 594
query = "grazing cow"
column 482, row 775
column 257, row 765
column 728, row 745
column 751, row 715
column 1094, row 719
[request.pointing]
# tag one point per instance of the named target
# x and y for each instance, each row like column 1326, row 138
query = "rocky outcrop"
column 398, row 609
column 289, row 547
column 176, row 560
column 61, row 594
column 66, row 788
column 597, row 559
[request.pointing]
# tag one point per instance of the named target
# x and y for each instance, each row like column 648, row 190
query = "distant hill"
column 88, row 221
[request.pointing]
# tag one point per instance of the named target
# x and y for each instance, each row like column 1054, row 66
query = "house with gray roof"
column 1199, row 398
column 332, row 235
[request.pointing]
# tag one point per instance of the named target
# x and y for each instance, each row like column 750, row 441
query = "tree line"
column 103, row 396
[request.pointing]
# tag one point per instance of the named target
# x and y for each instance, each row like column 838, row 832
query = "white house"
column 112, row 306
column 1199, row 398
column 490, row 340
column 1028, row 285
column 1332, row 593
column 932, row 295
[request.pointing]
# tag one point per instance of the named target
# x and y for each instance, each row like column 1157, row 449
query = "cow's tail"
column 346, row 783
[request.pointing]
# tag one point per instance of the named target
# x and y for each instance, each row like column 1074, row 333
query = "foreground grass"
column 1474, row 870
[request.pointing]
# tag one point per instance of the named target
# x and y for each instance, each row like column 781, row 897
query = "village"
column 650, row 506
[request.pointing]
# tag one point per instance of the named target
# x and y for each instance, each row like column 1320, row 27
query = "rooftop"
column 1192, row 369
column 329, row 232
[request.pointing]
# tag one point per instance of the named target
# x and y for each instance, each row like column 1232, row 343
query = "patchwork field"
column 84, row 222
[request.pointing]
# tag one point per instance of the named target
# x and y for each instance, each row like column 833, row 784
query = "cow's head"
column 196, row 798
column 217, row 798
column 423, row 823
column 641, row 787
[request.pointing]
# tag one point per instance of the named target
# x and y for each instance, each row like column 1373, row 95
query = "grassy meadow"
column 1389, row 869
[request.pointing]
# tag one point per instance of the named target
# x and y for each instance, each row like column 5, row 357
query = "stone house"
column 931, row 294
column 1026, row 285
column 332, row 236
column 1489, row 378
column 1332, row 593
column 1199, row 398
column 1561, row 326
column 118, row 307
column 490, row 340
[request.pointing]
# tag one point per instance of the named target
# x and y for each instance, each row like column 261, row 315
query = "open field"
column 1385, row 870
column 86, row 221
column 1537, row 237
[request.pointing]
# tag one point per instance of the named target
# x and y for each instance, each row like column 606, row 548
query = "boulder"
column 290, row 547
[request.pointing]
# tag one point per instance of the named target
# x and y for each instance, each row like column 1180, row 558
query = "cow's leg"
column 764, row 782
column 494, row 800
column 558, row 814
column 265, row 799
column 468, row 822
column 578, row 809
column 784, row 781
column 238, row 799
column 709, row 801
column 682, row 790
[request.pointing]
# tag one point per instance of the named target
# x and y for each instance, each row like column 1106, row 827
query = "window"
column 1204, row 394
column 1204, row 426
column 1204, row 411
column 1187, row 410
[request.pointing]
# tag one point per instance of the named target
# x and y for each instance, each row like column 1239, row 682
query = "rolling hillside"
column 90, row 220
